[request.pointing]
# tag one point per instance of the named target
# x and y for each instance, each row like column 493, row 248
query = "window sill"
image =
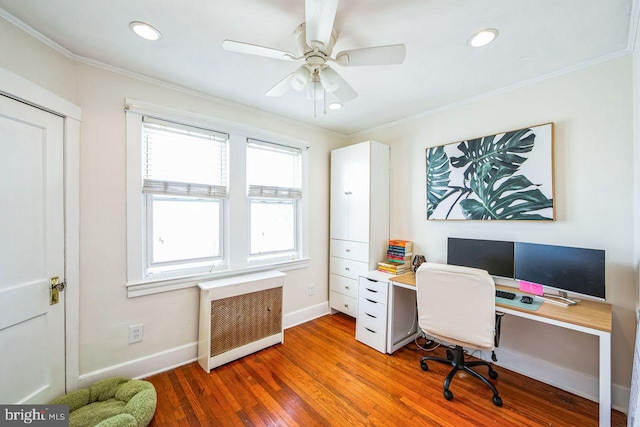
column 138, row 289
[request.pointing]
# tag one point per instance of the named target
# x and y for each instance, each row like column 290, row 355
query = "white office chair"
column 457, row 305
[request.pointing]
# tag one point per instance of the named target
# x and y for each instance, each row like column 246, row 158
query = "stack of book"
column 398, row 257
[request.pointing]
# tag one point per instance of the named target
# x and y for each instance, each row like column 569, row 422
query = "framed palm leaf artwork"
column 506, row 176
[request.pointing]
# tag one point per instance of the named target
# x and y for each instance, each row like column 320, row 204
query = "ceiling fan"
column 315, row 39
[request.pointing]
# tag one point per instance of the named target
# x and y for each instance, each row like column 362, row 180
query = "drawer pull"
column 347, row 268
column 372, row 302
column 371, row 315
column 346, row 287
column 348, row 250
column 371, row 280
column 373, row 332
column 371, row 290
column 346, row 305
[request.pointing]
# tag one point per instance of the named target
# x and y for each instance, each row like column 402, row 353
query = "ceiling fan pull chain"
column 324, row 100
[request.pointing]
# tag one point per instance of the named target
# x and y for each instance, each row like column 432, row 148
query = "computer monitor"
column 492, row 255
column 566, row 269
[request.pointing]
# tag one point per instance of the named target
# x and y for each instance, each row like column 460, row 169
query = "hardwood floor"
column 322, row 376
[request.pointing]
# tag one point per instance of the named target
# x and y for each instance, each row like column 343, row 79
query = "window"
column 184, row 186
column 208, row 198
column 274, row 179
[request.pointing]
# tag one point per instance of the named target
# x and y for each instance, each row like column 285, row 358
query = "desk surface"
column 587, row 313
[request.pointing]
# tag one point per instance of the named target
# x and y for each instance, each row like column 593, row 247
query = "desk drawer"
column 373, row 286
column 373, row 308
column 356, row 251
column 343, row 303
column 373, row 295
column 347, row 268
column 371, row 337
column 343, row 285
column 371, row 322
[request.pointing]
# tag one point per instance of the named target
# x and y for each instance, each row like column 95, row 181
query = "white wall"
column 636, row 147
column 170, row 319
column 592, row 112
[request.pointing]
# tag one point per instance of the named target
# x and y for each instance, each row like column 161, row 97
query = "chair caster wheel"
column 493, row 374
column 424, row 365
column 497, row 401
column 449, row 354
column 449, row 396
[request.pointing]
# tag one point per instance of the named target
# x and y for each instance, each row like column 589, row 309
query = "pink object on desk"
column 532, row 288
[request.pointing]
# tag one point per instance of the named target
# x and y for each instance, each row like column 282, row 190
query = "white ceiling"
column 537, row 38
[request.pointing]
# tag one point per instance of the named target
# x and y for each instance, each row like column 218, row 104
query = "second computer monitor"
column 492, row 255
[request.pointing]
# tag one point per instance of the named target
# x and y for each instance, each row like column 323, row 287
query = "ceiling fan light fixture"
column 145, row 30
column 335, row 106
column 330, row 79
column 300, row 79
column 483, row 37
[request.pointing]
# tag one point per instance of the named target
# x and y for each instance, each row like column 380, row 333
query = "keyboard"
column 505, row 294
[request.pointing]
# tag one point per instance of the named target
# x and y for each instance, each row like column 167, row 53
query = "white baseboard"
column 178, row 356
column 574, row 382
column 304, row 315
column 145, row 366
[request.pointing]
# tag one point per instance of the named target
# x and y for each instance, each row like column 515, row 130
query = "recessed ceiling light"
column 145, row 30
column 335, row 106
column 483, row 37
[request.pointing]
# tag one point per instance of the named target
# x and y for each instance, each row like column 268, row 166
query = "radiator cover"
column 239, row 316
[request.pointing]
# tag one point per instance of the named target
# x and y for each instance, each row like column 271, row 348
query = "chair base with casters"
column 455, row 358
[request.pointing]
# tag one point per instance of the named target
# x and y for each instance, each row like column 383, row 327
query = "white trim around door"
column 17, row 87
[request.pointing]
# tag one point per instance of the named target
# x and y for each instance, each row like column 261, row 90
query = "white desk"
column 589, row 317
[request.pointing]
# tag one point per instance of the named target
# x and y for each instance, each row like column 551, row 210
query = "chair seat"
column 113, row 402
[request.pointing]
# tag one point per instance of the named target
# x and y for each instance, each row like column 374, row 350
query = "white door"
column 32, row 359
column 339, row 226
column 359, row 182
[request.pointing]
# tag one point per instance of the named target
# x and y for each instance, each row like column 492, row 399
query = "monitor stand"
column 561, row 299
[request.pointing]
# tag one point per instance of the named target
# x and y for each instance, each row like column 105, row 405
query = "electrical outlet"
column 135, row 333
column 312, row 289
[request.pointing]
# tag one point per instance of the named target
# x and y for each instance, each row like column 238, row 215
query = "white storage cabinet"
column 359, row 229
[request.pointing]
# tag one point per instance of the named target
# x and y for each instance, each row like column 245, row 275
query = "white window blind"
column 273, row 170
column 182, row 160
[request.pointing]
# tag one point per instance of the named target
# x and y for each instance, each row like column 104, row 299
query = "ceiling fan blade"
column 253, row 49
column 344, row 92
column 319, row 17
column 281, row 87
column 380, row 55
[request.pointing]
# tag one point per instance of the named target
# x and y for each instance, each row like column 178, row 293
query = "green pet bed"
column 114, row 402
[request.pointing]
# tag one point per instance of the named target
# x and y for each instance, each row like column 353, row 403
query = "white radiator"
column 239, row 316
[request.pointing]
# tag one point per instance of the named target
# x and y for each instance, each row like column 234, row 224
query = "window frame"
column 235, row 215
column 258, row 258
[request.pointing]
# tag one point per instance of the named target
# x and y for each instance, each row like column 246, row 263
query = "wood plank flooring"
column 322, row 376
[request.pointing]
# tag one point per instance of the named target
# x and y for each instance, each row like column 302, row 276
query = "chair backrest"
column 456, row 304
